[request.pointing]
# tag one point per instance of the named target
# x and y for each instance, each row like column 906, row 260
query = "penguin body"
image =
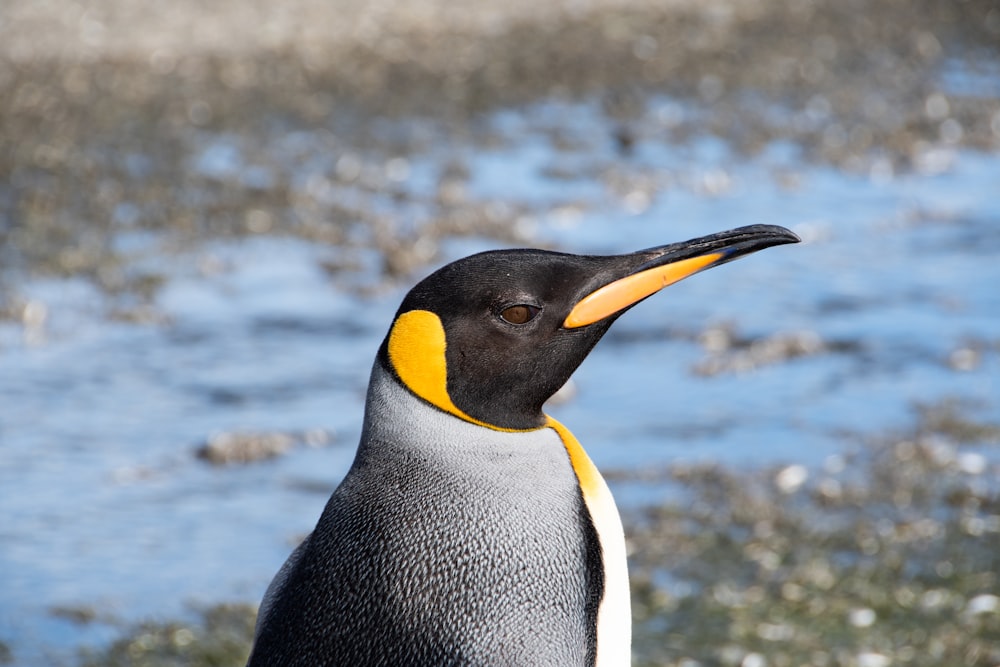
column 496, row 573
column 472, row 529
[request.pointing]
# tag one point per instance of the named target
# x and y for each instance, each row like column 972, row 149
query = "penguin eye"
column 519, row 314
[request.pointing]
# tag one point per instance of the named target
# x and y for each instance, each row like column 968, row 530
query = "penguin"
column 472, row 528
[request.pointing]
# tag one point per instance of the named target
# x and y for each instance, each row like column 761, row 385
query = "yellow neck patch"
column 587, row 473
column 416, row 351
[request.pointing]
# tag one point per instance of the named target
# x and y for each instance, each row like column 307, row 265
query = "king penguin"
column 473, row 529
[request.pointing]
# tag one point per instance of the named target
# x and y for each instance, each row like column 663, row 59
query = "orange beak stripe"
column 626, row 291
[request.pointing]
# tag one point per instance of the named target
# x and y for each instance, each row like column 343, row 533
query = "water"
column 106, row 505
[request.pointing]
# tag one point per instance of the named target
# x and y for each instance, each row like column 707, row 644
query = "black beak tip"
column 788, row 235
column 750, row 239
column 729, row 245
column 771, row 234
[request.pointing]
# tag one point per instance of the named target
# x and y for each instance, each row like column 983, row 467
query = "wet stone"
column 234, row 448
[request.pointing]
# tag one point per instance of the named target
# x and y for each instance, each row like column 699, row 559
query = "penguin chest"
column 488, row 547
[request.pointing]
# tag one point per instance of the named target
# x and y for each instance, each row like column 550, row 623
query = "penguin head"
column 489, row 338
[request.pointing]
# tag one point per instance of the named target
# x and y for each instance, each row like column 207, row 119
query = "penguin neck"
column 394, row 414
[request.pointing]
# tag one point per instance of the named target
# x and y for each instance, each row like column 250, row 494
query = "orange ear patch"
column 417, row 347
column 416, row 350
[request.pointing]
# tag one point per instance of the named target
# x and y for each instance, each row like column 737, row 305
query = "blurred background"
column 210, row 211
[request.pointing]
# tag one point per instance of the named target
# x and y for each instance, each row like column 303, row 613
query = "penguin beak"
column 651, row 270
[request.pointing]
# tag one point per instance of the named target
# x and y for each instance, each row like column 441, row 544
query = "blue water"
column 105, row 504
